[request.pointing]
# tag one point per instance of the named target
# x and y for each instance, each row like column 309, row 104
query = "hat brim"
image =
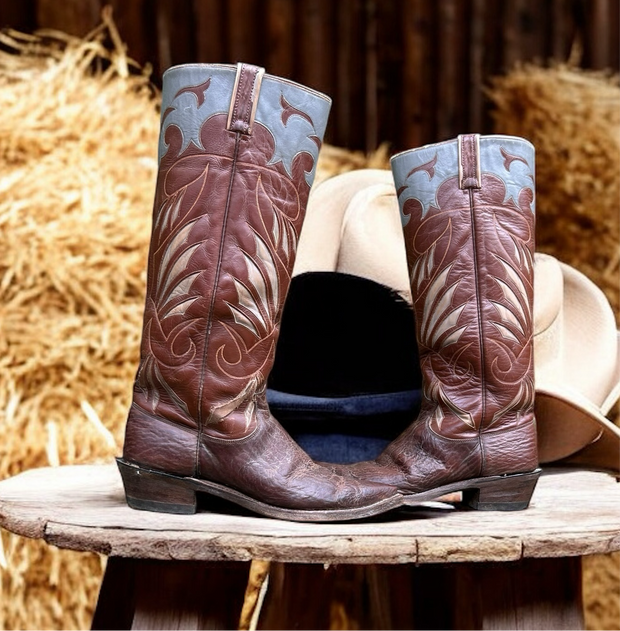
column 573, row 430
column 602, row 455
column 565, row 427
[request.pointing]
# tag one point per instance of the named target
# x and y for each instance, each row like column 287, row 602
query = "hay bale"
column 572, row 117
column 78, row 142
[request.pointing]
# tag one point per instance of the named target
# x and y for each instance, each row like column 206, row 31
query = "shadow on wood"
column 527, row 594
column 151, row 594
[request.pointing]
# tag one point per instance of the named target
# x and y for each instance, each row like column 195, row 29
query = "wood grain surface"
column 404, row 72
column 83, row 508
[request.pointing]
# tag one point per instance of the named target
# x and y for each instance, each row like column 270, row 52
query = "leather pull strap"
column 244, row 98
column 469, row 161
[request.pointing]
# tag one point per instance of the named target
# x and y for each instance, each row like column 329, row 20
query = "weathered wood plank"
column 116, row 601
column 245, row 32
column 371, row 128
column 18, row 15
column 389, row 71
column 405, row 72
column 316, row 36
column 613, row 25
column 290, row 588
column 136, row 22
column 562, row 30
column 529, row 594
column 210, row 37
column 175, row 43
column 449, row 68
column 476, row 61
column 526, row 594
column 419, row 105
column 511, row 27
column 188, row 595
column 76, row 17
column 599, row 33
column 83, row 508
column 348, row 109
column 280, row 25
column 392, row 598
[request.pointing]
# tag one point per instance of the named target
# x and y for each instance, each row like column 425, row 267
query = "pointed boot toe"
column 384, row 472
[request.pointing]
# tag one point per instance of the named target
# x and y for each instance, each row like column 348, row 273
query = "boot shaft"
column 237, row 156
column 467, row 207
column 238, row 151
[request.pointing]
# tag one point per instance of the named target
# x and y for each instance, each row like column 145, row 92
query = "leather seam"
column 233, row 170
column 508, row 430
column 227, row 441
column 475, row 438
column 253, row 98
column 237, row 97
column 161, row 419
column 480, row 325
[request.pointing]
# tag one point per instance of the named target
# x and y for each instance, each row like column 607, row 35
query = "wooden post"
column 151, row 594
column 298, row 597
column 527, row 594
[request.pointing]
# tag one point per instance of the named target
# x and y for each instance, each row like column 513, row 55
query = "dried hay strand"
column 335, row 160
column 78, row 143
column 572, row 117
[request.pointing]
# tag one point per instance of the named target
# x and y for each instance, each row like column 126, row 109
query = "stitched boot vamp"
column 419, row 460
column 278, row 472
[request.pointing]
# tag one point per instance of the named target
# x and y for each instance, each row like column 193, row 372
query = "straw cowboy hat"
column 353, row 230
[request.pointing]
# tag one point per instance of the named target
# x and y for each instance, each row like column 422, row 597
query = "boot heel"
column 511, row 492
column 156, row 491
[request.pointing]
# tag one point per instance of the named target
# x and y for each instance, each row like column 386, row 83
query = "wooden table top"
column 82, row 507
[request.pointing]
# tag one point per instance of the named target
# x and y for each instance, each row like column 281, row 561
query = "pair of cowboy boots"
column 237, row 157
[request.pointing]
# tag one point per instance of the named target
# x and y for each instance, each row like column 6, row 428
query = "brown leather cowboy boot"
column 238, row 151
column 468, row 213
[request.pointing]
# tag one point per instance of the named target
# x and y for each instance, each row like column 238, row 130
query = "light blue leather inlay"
column 423, row 170
column 431, row 165
column 294, row 137
column 277, row 97
column 188, row 115
column 511, row 159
